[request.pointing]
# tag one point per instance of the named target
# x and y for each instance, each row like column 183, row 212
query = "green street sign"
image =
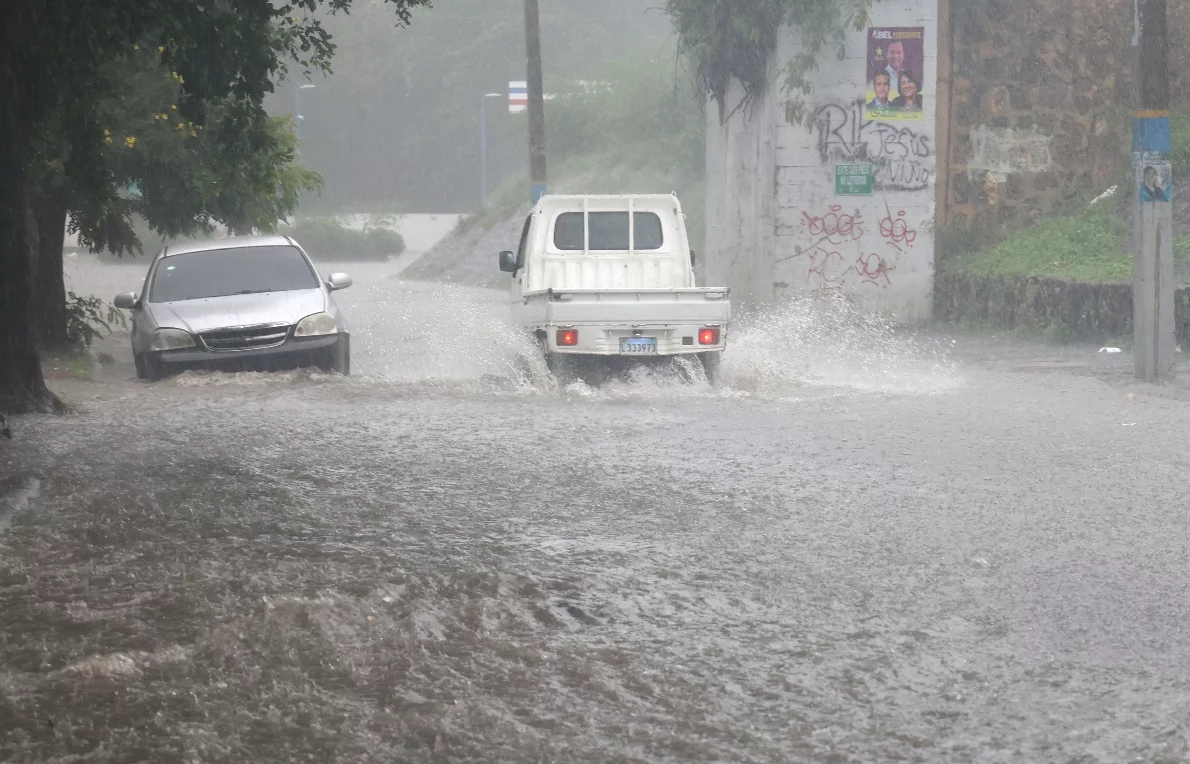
column 853, row 180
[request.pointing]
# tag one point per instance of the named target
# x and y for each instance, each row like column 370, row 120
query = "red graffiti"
column 830, row 269
column 897, row 231
column 874, row 269
column 835, row 226
column 826, row 266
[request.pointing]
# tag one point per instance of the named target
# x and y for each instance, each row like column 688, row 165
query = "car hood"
column 198, row 316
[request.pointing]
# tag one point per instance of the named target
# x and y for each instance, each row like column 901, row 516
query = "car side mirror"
column 338, row 281
column 508, row 262
column 125, row 301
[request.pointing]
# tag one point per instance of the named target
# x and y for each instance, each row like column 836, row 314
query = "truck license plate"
column 638, row 345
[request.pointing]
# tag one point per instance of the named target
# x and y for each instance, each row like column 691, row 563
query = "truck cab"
column 599, row 276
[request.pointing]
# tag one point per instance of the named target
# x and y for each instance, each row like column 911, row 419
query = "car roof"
column 229, row 243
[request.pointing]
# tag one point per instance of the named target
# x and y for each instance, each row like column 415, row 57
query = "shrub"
column 88, row 318
column 326, row 239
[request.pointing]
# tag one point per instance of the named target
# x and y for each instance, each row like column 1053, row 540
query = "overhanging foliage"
column 737, row 39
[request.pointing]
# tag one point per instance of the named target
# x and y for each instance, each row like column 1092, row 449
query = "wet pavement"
column 867, row 546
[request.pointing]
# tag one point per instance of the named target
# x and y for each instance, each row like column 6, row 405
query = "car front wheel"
column 338, row 358
column 147, row 367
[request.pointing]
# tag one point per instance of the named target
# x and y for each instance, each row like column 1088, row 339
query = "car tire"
column 711, row 363
column 147, row 368
column 342, row 356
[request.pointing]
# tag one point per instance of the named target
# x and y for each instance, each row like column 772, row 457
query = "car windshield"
column 239, row 270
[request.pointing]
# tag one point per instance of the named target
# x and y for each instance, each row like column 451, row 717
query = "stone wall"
column 1062, row 310
column 1179, row 54
column 1040, row 97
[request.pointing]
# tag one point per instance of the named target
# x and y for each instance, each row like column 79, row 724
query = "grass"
column 1085, row 247
column 1092, row 245
column 67, row 366
column 1180, row 134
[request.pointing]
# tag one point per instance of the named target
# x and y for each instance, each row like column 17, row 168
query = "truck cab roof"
column 553, row 203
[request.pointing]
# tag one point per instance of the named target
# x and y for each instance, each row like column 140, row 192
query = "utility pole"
column 483, row 147
column 537, row 168
column 1152, row 215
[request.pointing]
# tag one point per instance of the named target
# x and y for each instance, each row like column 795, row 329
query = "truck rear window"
column 609, row 231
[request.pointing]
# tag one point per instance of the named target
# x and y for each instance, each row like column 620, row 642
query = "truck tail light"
column 567, row 337
column 709, row 336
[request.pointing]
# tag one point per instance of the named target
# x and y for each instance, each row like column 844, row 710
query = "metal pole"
column 297, row 110
column 537, row 167
column 483, row 150
column 1152, row 215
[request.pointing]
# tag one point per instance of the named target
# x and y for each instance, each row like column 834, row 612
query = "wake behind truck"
column 590, row 287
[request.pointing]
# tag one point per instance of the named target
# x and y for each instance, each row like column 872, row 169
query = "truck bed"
column 633, row 307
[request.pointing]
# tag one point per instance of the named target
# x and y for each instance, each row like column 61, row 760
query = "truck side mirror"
column 508, row 262
column 693, row 261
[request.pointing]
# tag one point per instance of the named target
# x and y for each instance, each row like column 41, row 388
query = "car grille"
column 245, row 338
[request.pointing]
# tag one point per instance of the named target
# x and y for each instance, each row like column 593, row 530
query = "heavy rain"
column 556, row 381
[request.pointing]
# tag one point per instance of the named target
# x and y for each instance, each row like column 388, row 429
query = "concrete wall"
column 741, row 166
column 777, row 231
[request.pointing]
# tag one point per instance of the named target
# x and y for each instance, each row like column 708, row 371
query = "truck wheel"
column 564, row 369
column 710, row 365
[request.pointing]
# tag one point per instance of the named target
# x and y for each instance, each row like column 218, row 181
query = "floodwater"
column 866, row 546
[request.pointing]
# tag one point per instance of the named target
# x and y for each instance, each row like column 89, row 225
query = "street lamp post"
column 483, row 146
column 297, row 107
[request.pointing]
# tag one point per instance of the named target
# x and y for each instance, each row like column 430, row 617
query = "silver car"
column 241, row 303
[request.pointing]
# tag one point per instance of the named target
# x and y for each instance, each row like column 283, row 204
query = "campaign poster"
column 896, row 57
column 1154, row 178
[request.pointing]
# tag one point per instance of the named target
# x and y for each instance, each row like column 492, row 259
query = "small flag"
column 518, row 97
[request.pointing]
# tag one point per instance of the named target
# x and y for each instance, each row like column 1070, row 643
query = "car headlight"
column 317, row 325
column 171, row 339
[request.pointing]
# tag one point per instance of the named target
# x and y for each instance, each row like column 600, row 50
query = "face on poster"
column 1154, row 178
column 896, row 56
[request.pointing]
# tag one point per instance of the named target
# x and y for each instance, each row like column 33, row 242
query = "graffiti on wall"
column 897, row 232
column 836, row 256
column 902, row 155
column 1001, row 152
column 835, row 227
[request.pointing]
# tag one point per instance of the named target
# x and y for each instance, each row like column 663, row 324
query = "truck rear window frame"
column 653, row 241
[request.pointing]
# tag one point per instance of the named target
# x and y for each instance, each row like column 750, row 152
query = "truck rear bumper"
column 628, row 341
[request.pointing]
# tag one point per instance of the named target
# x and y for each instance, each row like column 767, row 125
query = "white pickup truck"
column 590, row 287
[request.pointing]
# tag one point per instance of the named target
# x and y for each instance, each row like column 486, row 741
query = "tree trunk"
column 50, row 287
column 22, row 386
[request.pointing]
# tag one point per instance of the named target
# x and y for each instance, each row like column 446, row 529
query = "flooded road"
column 866, row 546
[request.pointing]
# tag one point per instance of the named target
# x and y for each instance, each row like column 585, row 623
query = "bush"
column 384, row 241
column 90, row 317
column 326, row 239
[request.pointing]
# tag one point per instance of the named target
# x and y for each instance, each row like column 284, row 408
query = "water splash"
column 829, row 342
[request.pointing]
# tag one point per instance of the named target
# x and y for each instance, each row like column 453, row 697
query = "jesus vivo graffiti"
column 902, row 156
